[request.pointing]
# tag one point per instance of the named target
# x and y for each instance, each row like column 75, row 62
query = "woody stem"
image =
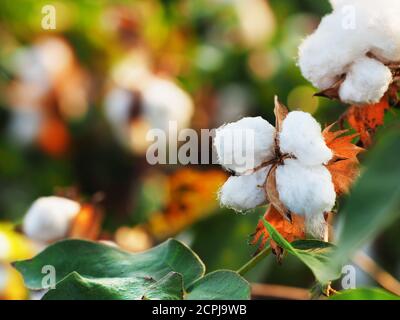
column 254, row 261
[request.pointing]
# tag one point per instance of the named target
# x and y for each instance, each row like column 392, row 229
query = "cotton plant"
column 53, row 218
column 354, row 53
column 49, row 218
column 139, row 100
column 289, row 166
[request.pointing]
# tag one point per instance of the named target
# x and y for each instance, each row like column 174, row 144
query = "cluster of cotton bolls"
column 50, row 219
column 139, row 101
column 298, row 152
column 49, row 87
column 356, row 43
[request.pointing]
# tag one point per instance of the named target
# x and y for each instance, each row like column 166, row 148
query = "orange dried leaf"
column 289, row 230
column 344, row 164
column 54, row 137
column 87, row 224
column 365, row 119
column 340, row 144
column 344, row 173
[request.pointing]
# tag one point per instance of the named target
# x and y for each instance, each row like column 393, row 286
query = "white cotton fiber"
column 326, row 54
column 305, row 190
column 344, row 37
column 49, row 218
column 317, row 227
column 366, row 82
column 118, row 106
column 246, row 192
column 301, row 136
column 245, row 144
column 164, row 101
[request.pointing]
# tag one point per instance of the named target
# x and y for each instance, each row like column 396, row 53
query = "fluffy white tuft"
column 366, row 82
column 317, row 227
column 245, row 144
column 164, row 101
column 306, row 190
column 301, row 136
column 246, row 192
column 354, row 29
column 49, row 218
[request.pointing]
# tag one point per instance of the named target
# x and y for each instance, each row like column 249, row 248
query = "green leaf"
column 220, row 285
column 374, row 202
column 87, row 270
column 76, row 287
column 312, row 245
column 168, row 288
column 313, row 253
column 364, row 294
column 94, row 260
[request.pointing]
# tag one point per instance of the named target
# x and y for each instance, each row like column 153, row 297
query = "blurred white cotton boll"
column 246, row 192
column 245, row 144
column 118, row 103
column 301, row 136
column 27, row 66
column 305, row 190
column 366, row 82
column 164, row 101
column 132, row 72
column 25, row 125
column 55, row 55
column 49, row 218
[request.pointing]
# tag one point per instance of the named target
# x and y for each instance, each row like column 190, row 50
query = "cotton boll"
column 326, row 54
column 344, row 37
column 366, row 82
column 305, row 190
column 301, row 136
column 25, row 124
column 49, row 218
column 164, row 101
column 246, row 192
column 245, row 144
column 133, row 71
column 384, row 29
column 27, row 66
column 118, row 104
column 56, row 56
column 117, row 108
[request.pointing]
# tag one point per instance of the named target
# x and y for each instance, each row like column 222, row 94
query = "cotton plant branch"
column 254, row 261
column 381, row 276
column 279, row 292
